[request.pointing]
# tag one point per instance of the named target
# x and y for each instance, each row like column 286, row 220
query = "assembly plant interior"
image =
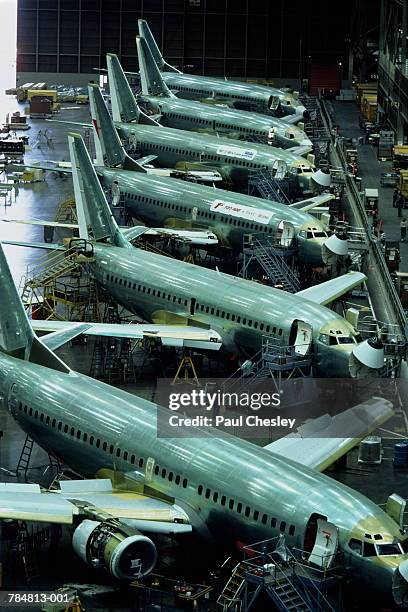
column 203, row 207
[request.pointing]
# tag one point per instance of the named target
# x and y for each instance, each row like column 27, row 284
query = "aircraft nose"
column 300, row 110
column 370, row 353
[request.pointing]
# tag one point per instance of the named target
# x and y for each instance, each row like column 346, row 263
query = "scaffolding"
column 271, row 257
column 261, row 184
column 285, row 576
column 273, row 362
column 60, row 286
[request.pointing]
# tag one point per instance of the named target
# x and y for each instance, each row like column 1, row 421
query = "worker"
column 403, row 228
column 400, row 204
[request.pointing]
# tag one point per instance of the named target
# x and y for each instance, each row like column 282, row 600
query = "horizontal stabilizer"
column 148, row 159
column 48, row 166
column 58, row 338
column 332, row 289
column 40, row 222
column 321, row 442
column 77, row 123
column 35, row 245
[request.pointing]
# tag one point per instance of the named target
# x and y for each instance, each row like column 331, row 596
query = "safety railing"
column 375, row 249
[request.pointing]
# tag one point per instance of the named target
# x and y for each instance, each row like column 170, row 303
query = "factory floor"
column 346, row 116
column 40, row 201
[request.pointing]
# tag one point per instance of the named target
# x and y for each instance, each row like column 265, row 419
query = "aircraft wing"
column 321, row 442
column 301, row 149
column 310, row 203
column 90, row 499
column 293, row 119
column 169, row 335
column 331, row 290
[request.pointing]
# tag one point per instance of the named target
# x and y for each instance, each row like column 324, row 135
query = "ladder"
column 262, row 184
column 25, row 457
column 272, row 264
column 286, row 597
column 30, row 565
column 230, row 595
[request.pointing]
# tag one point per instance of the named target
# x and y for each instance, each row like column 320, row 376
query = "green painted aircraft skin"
column 92, row 426
column 156, row 286
column 234, row 124
column 161, row 201
column 158, row 200
column 244, row 95
column 190, row 115
column 235, row 161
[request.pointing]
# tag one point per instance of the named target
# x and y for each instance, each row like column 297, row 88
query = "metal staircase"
column 262, row 184
column 230, row 595
column 271, row 259
column 273, row 361
column 272, row 569
column 60, row 286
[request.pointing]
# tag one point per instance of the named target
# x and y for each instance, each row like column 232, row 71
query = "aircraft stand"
column 284, row 576
column 272, row 257
column 186, row 372
column 275, row 362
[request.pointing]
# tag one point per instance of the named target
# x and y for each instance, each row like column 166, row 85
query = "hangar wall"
column 241, row 38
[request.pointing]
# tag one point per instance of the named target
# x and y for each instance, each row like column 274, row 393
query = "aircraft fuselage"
column 233, row 490
column 234, row 159
column 191, row 115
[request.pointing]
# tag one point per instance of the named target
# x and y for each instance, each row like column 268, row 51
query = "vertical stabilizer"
column 150, row 76
column 144, row 31
column 16, row 335
column 109, row 149
column 124, row 106
column 17, row 338
column 93, row 209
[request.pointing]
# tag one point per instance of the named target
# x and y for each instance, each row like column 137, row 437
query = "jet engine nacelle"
column 124, row 552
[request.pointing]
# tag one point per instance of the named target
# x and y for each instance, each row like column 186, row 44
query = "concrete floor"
column 370, row 168
column 40, row 201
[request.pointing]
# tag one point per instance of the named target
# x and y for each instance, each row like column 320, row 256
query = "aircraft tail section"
column 124, row 106
column 150, row 76
column 17, row 338
column 95, row 218
column 109, row 149
column 145, row 31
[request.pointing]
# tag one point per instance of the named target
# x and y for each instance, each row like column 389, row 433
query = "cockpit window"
column 388, row 549
column 368, row 550
column 345, row 340
column 404, row 546
column 356, row 545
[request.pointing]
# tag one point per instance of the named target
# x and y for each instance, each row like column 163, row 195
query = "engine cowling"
column 125, row 553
